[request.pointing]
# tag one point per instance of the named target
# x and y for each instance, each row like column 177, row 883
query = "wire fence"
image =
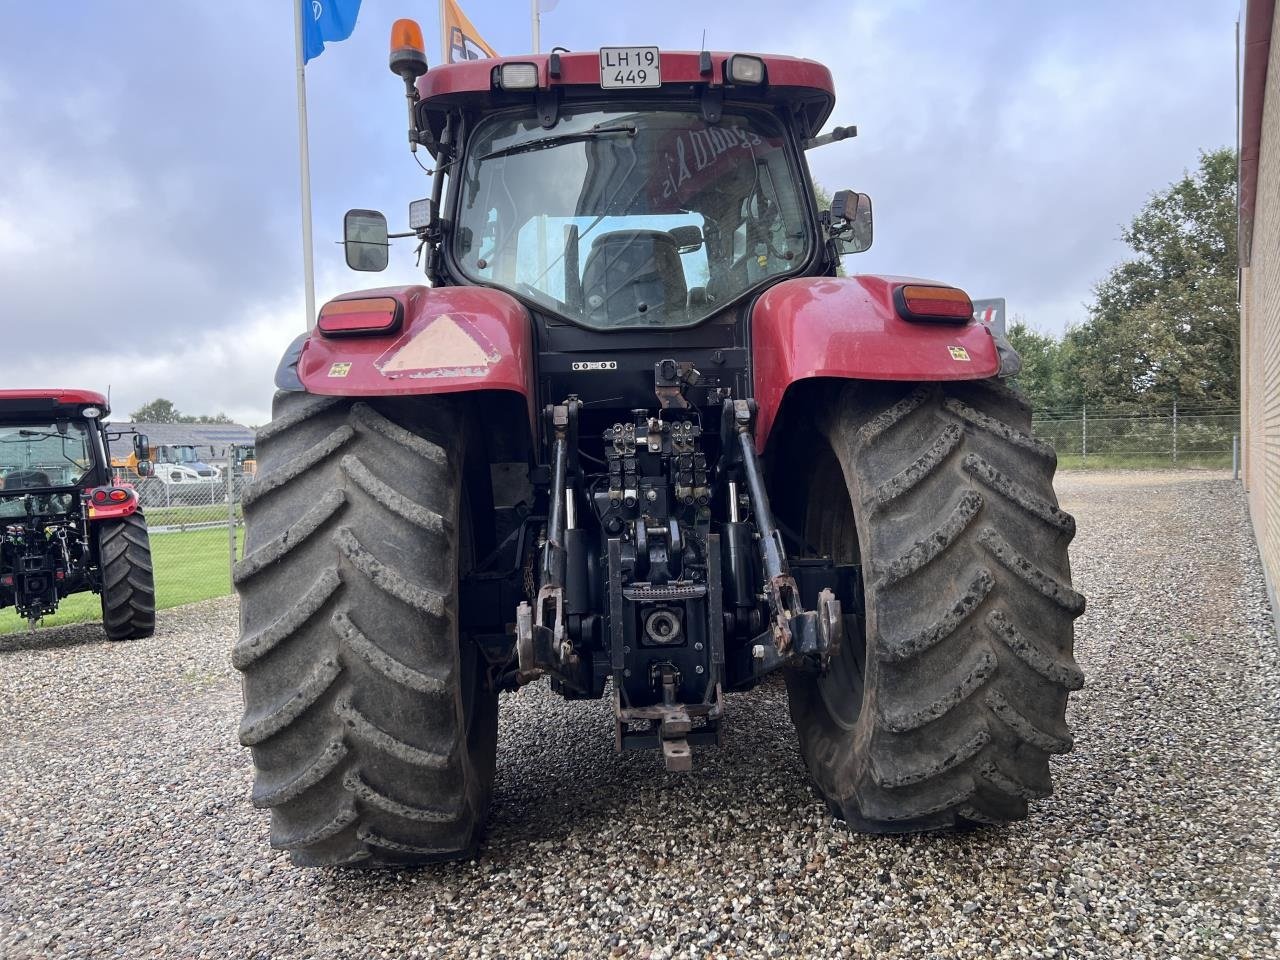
column 1200, row 435
column 193, row 511
column 194, row 520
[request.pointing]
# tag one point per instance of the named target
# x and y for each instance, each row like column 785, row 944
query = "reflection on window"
column 43, row 454
column 657, row 219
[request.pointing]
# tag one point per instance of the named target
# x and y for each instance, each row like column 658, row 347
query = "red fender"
column 849, row 328
column 451, row 340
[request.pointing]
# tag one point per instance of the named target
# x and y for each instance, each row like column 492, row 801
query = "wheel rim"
column 830, row 526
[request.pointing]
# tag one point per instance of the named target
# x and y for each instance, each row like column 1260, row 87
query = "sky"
column 150, row 237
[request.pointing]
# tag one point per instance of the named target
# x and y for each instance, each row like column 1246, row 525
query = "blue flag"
column 326, row 20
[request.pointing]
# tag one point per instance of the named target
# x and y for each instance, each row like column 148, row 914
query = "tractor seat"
column 634, row 275
column 26, row 479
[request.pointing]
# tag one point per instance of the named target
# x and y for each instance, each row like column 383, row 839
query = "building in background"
column 201, row 447
column 1260, row 276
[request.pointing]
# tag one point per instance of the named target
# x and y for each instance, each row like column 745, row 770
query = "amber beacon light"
column 408, row 52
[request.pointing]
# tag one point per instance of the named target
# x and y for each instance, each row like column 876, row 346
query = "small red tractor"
column 65, row 525
column 639, row 438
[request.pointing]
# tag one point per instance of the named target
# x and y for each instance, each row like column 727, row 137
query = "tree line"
column 161, row 410
column 1164, row 324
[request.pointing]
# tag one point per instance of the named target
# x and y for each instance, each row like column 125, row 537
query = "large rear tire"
column 373, row 728
column 128, row 584
column 943, row 709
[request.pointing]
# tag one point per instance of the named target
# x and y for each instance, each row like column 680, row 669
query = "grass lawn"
column 172, row 516
column 188, row 567
column 1130, row 461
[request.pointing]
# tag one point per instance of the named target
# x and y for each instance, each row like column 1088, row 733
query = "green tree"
column 1041, row 376
column 163, row 411
column 159, row 410
column 1164, row 325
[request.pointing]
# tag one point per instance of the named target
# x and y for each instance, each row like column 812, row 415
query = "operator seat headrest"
column 26, row 479
column 628, row 270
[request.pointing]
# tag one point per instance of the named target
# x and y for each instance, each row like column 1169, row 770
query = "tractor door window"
column 43, row 454
column 618, row 219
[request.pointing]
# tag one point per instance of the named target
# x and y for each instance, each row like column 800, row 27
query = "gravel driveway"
column 125, row 828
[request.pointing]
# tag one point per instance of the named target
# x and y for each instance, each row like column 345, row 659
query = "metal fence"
column 194, row 518
column 1200, row 435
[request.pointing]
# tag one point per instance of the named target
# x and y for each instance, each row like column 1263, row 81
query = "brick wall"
column 1260, row 333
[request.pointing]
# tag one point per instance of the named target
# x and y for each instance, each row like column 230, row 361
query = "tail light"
column 108, row 502
column 342, row 318
column 919, row 301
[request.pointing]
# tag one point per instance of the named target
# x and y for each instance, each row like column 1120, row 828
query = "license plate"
column 629, row 67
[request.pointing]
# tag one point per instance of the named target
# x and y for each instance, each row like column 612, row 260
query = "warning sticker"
column 957, row 353
column 339, row 369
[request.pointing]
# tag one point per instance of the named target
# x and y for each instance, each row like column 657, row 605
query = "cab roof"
column 38, row 400
column 806, row 83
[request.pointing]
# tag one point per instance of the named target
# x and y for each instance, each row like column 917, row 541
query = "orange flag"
column 461, row 39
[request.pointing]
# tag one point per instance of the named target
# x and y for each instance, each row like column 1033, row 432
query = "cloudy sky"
column 149, row 214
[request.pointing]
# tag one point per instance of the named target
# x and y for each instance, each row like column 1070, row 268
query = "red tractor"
column 65, row 525
column 639, row 438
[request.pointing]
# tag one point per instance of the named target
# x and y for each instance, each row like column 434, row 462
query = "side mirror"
column 145, row 469
column 141, row 447
column 688, row 238
column 851, row 222
column 364, row 237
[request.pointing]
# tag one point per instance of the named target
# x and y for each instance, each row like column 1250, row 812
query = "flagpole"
column 444, row 36
column 537, row 28
column 304, row 163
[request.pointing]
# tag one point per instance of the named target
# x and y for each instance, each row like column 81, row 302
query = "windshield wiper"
column 43, row 434
column 553, row 140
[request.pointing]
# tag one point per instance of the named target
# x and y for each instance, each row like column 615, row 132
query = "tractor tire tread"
column 352, row 672
column 969, row 643
column 128, row 592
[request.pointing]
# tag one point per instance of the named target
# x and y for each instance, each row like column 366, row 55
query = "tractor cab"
column 56, row 498
column 628, row 189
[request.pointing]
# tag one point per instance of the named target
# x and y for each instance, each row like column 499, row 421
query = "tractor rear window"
column 631, row 218
column 43, row 454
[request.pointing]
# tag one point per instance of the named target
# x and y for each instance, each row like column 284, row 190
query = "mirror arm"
column 411, row 95
column 835, row 135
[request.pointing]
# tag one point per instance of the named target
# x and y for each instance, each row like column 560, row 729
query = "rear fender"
column 111, row 509
column 450, row 340
column 848, row 328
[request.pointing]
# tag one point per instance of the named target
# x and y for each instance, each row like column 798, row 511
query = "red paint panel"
column 75, row 397
column 848, row 328
column 476, row 76
column 453, row 340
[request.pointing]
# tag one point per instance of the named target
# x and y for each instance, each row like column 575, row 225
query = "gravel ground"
column 125, row 828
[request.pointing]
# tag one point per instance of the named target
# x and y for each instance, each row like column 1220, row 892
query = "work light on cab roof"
column 642, row 436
